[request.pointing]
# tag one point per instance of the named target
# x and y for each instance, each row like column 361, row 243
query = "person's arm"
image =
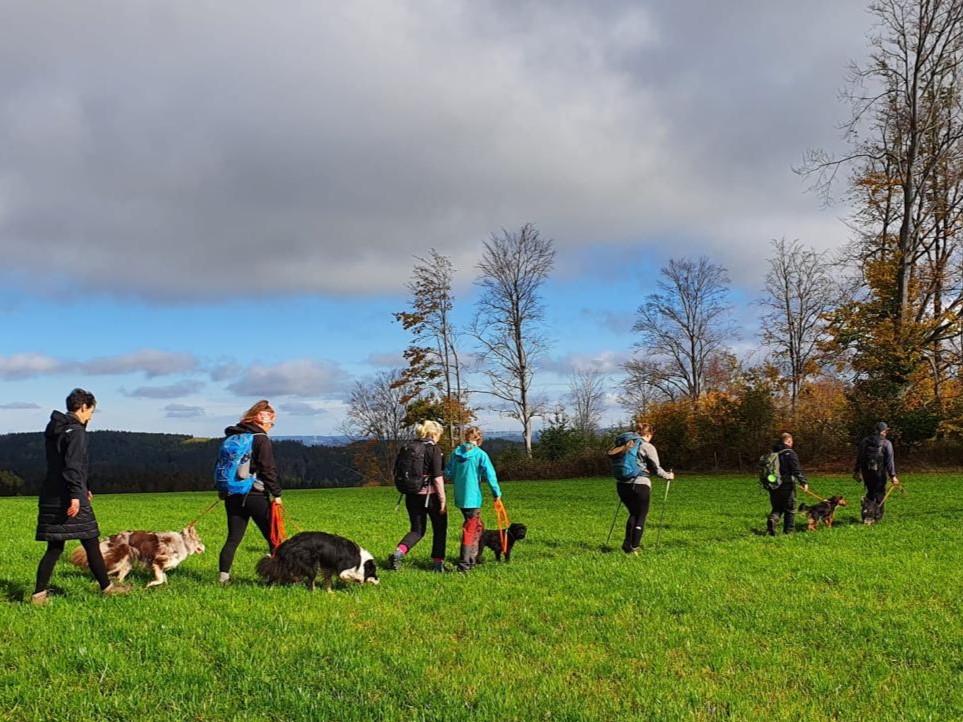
column 650, row 453
column 74, row 476
column 796, row 471
column 890, row 461
column 858, row 466
column 488, row 471
column 438, row 478
column 263, row 462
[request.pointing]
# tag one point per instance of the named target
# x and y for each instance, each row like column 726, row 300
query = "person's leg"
column 643, row 494
column 876, row 491
column 46, row 566
column 628, row 501
column 775, row 511
column 95, row 560
column 469, row 545
column 259, row 511
column 789, row 509
column 439, row 532
column 236, row 526
column 417, row 522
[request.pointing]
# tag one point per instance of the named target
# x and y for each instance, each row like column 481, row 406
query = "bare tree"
column 433, row 358
column 508, row 318
column 587, row 396
column 799, row 292
column 682, row 326
column 376, row 414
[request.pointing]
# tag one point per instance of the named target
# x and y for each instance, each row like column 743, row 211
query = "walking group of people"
column 65, row 510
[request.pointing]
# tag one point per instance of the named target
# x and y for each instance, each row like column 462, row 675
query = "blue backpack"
column 625, row 456
column 232, row 473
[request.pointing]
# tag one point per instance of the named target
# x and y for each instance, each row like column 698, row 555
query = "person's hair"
column 473, row 435
column 786, row 436
column 79, row 398
column 643, row 429
column 424, row 429
column 251, row 416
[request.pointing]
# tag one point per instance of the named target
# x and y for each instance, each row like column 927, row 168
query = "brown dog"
column 159, row 551
column 823, row 511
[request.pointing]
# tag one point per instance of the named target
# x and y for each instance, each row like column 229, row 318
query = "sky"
column 205, row 204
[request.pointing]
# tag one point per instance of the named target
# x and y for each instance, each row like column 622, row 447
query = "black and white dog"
column 306, row 555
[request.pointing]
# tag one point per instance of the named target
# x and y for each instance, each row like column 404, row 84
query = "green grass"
column 854, row 623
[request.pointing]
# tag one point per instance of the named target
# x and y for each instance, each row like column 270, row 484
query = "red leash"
column 198, row 517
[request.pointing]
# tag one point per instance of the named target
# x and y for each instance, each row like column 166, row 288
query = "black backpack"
column 410, row 477
column 873, row 454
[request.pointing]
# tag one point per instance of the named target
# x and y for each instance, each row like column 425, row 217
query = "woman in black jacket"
column 256, row 504
column 64, row 505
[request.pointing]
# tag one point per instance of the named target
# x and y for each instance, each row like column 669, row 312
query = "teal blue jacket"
column 466, row 468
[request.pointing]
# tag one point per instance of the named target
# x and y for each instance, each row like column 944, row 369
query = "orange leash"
column 815, row 496
column 501, row 517
column 278, row 534
column 891, row 487
column 198, row 517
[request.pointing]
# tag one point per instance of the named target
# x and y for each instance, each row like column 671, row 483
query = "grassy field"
column 854, row 623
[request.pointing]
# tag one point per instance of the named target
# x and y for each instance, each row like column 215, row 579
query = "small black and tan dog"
column 823, row 511
column 491, row 539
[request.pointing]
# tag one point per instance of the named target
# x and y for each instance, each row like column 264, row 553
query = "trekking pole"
column 618, row 505
column 398, row 505
column 665, row 500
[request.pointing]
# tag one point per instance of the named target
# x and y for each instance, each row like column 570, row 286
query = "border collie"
column 158, row 551
column 306, row 555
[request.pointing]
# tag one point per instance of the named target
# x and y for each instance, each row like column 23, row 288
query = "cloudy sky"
column 203, row 204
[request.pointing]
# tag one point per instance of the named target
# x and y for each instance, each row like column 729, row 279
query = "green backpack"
column 769, row 475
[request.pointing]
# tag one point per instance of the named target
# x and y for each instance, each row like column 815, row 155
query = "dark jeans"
column 95, row 561
column 782, row 502
column 241, row 508
column 421, row 508
column 875, row 491
column 636, row 498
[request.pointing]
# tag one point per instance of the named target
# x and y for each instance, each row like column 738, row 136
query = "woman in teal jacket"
column 466, row 468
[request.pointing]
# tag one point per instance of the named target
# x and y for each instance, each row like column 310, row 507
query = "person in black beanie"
column 874, row 465
column 64, row 506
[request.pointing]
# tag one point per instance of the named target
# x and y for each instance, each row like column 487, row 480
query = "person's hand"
column 277, row 500
column 444, row 507
column 90, row 495
column 670, row 476
column 74, row 508
column 895, row 481
column 805, row 487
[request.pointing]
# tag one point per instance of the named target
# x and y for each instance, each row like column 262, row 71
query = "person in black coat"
column 64, row 505
column 782, row 499
column 256, row 504
column 874, row 465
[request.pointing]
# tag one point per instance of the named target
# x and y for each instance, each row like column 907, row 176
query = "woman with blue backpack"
column 467, row 466
column 634, row 459
column 251, row 480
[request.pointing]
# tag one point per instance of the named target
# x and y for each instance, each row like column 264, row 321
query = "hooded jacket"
column 467, row 466
column 65, row 443
column 789, row 469
column 262, row 457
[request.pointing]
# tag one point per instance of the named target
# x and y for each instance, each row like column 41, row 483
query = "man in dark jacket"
column 874, row 465
column 64, row 506
column 782, row 499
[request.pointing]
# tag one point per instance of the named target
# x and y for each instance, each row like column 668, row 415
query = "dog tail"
column 803, row 508
column 79, row 558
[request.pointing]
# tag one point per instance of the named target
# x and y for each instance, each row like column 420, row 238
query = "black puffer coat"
column 65, row 440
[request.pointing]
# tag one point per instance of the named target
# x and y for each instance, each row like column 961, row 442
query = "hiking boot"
column 224, row 579
column 40, row 599
column 440, row 568
column 115, row 590
column 394, row 560
column 632, row 551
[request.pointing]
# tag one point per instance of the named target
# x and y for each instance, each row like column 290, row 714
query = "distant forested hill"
column 124, row 461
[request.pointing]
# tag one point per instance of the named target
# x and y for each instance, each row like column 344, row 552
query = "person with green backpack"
column 779, row 472
column 634, row 459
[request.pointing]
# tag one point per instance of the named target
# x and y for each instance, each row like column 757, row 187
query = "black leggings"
column 635, row 497
column 240, row 508
column 95, row 561
column 418, row 514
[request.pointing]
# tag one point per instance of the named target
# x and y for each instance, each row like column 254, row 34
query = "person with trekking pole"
column 874, row 465
column 634, row 459
column 419, row 476
column 64, row 511
column 781, row 482
column 467, row 466
column 248, row 457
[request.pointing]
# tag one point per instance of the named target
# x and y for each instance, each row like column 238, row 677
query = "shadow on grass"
column 13, row 592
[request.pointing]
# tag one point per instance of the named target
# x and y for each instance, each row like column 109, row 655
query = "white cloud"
column 28, row 365
column 19, row 406
column 182, row 411
column 298, row 377
column 151, row 363
column 300, row 408
column 171, row 391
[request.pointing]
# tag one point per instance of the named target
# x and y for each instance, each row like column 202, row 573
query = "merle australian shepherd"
column 492, row 540
column 311, row 553
column 158, row 551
